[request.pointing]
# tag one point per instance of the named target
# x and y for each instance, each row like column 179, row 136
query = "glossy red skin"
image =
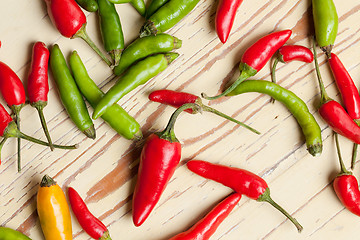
column 207, row 226
column 347, row 190
column 173, row 98
column 11, row 87
column 158, row 161
column 5, row 119
column 38, row 85
column 349, row 92
column 258, row 54
column 66, row 15
column 92, row 226
column 240, row 180
column 224, row 19
column 290, row 53
column 338, row 119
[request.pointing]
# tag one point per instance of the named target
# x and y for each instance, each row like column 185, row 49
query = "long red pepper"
column 255, row 58
column 241, row 181
column 207, row 226
column 333, row 113
column 346, row 186
column 158, row 160
column 224, row 19
column 70, row 20
column 349, row 93
column 38, row 85
column 177, row 99
column 12, row 89
column 92, row 225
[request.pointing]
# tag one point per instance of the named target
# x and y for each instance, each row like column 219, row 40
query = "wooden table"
column 104, row 170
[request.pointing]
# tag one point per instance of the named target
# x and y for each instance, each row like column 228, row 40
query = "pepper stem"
column 16, row 110
column 168, row 132
column 212, row 110
column 47, row 181
column 265, row 197
column 39, row 108
column 1, row 145
column 273, row 77
column 324, row 96
column 243, row 76
column 81, row 33
column 353, row 160
column 342, row 165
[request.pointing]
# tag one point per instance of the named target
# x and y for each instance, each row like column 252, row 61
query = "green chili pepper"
column 326, row 24
column 137, row 75
column 295, row 105
column 70, row 94
column 88, row 5
column 111, row 30
column 10, row 234
column 146, row 46
column 139, row 5
column 115, row 116
column 153, row 6
column 167, row 16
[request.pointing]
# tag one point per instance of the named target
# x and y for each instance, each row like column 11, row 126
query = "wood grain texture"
column 104, row 170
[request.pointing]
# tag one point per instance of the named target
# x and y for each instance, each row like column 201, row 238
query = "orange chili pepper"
column 53, row 211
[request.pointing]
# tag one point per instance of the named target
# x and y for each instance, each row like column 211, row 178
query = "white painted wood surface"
column 104, row 170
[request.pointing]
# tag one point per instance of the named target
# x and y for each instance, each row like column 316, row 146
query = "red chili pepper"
column 224, row 19
column 333, row 113
column 346, row 186
column 255, row 58
column 159, row 158
column 38, row 86
column 177, row 99
column 241, row 181
column 207, row 226
column 70, row 20
column 92, row 225
column 13, row 92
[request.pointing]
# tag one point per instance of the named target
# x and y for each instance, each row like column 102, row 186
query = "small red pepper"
column 224, row 19
column 346, row 186
column 38, row 85
column 241, row 181
column 290, row 53
column 177, row 99
column 70, row 20
column 13, row 92
column 207, row 226
column 92, row 225
column 333, row 113
column 255, row 58
column 158, row 160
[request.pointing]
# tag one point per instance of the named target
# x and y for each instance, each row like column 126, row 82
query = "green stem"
column 265, row 197
column 168, row 132
column 35, row 140
column 273, row 77
column 353, row 160
column 243, row 76
column 342, row 165
column 212, row 110
column 1, row 145
column 44, row 126
column 324, row 96
column 18, row 143
column 84, row 36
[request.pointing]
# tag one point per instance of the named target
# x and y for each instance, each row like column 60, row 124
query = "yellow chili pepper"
column 53, row 211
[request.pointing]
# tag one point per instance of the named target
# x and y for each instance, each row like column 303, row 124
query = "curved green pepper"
column 115, row 116
column 69, row 93
column 139, row 5
column 111, row 30
column 146, row 46
column 10, row 234
column 167, row 16
column 88, row 5
column 137, row 75
column 326, row 24
column 294, row 104
column 153, row 6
